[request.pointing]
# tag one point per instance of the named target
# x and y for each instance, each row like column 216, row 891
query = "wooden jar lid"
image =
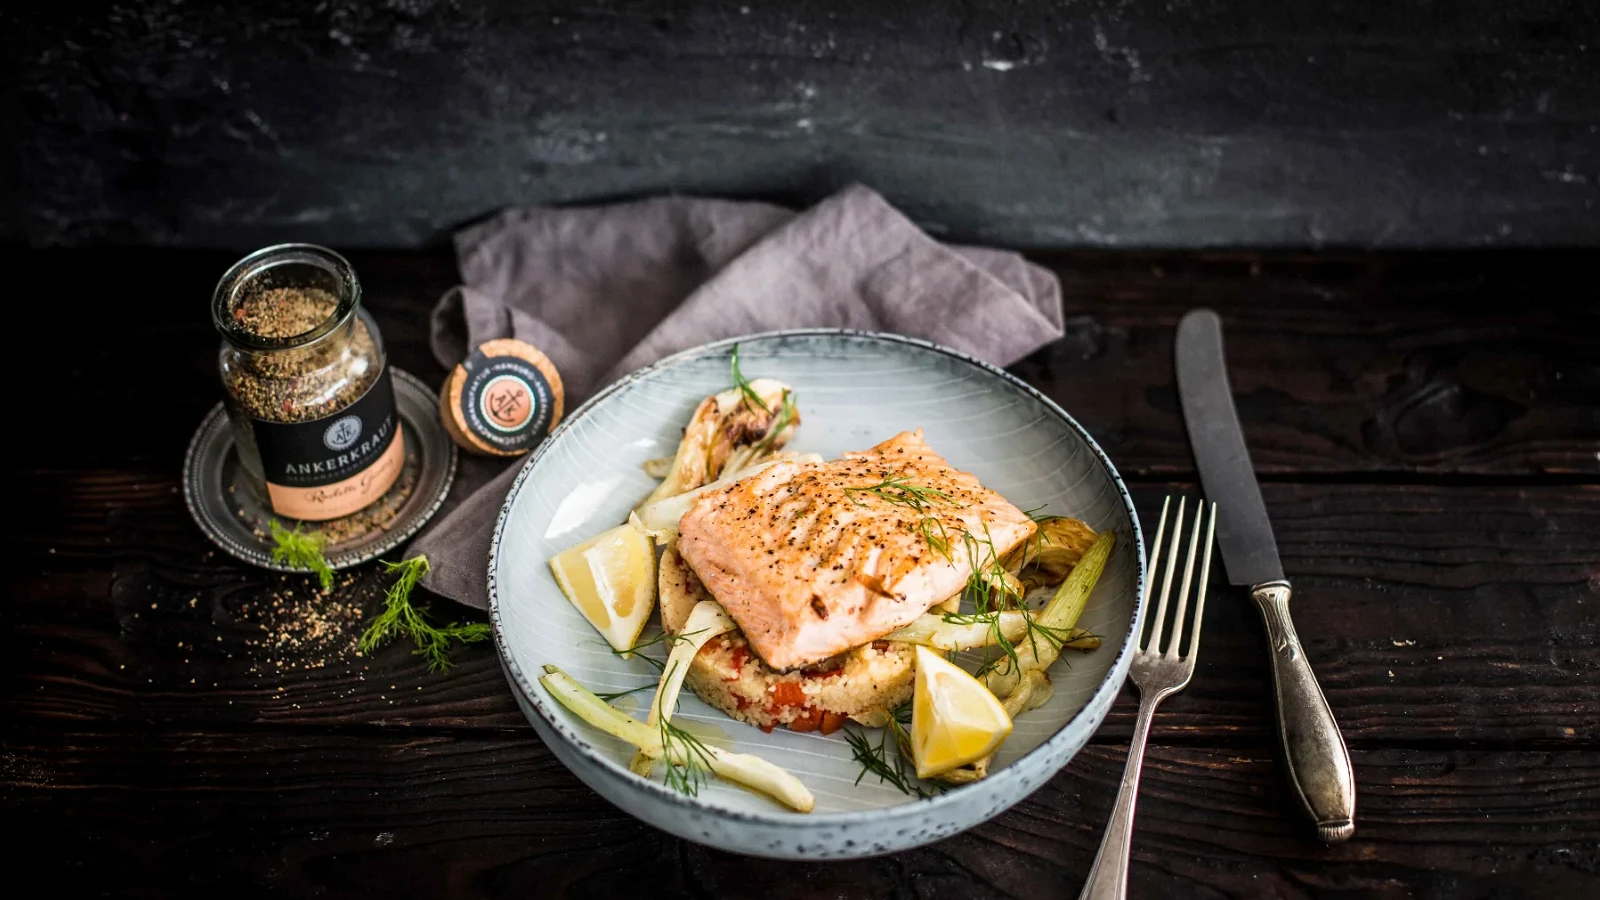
column 502, row 399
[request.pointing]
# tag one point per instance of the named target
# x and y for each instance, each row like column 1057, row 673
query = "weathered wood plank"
column 1438, row 364
column 288, row 812
column 1102, row 123
column 1431, row 614
column 1441, row 364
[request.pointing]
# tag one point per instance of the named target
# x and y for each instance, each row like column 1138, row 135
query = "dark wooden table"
column 1427, row 428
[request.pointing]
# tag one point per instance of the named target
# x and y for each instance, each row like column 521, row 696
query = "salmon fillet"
column 812, row 559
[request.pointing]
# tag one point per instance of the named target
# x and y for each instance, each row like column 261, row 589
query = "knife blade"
column 1244, row 532
column 1309, row 741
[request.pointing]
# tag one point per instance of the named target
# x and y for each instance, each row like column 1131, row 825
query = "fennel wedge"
column 741, row 768
column 706, row 621
column 1060, row 613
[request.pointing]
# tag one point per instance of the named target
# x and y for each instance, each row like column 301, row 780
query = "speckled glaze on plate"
column 853, row 389
column 224, row 502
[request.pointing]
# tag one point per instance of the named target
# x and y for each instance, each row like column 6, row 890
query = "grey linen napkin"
column 605, row 290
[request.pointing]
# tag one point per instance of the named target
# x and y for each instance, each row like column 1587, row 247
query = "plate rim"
column 783, row 818
column 216, row 419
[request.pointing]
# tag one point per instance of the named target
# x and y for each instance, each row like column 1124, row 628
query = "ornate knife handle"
column 1309, row 738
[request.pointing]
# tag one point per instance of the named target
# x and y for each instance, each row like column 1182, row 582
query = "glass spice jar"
column 307, row 387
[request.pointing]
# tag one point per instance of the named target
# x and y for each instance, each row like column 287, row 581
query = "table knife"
column 1309, row 741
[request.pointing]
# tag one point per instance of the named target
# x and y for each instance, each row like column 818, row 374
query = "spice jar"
column 307, row 387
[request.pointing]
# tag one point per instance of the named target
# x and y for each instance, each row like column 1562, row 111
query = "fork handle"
column 1108, row 880
column 1309, row 738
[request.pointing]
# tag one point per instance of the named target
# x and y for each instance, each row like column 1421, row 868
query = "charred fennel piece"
column 1056, row 546
column 730, row 430
column 1033, row 691
column 706, row 621
column 751, row 771
column 1060, row 613
column 974, row 631
column 660, row 518
column 962, row 632
column 723, row 424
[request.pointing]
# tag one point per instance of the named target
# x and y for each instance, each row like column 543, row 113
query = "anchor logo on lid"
column 507, row 402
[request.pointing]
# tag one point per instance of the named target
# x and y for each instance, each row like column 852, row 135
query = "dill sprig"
column 400, row 617
column 986, row 582
column 688, row 777
column 686, row 769
column 743, row 384
column 1036, row 631
column 985, row 587
column 304, row 550
column 884, row 759
column 664, row 639
column 782, row 419
column 1038, row 518
column 933, row 531
column 896, row 489
column 900, row 726
column 656, row 664
column 1040, row 537
column 618, row 695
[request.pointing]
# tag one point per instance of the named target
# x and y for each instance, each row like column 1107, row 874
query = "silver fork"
column 1159, row 673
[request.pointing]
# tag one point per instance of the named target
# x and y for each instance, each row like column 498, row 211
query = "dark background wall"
column 1132, row 123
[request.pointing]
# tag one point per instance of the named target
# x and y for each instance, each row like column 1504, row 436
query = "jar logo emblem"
column 507, row 402
column 342, row 433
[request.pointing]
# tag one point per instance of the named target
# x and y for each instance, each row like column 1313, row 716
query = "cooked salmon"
column 812, row 559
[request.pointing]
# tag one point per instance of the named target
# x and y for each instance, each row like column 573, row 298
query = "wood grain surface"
column 1431, row 613
column 382, row 814
column 1427, row 426
column 1114, row 123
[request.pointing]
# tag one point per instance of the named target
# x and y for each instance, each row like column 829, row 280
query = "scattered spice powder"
column 302, row 629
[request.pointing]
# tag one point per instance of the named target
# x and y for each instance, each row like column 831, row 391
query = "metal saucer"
column 232, row 510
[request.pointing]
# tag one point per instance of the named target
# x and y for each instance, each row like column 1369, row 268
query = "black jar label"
column 333, row 466
column 505, row 401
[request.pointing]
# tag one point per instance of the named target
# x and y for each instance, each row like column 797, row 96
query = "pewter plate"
column 853, row 390
column 233, row 512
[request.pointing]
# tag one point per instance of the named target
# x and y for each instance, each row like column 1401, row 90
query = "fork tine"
column 1183, row 590
column 1205, row 579
column 1155, row 556
column 1155, row 566
column 1154, row 644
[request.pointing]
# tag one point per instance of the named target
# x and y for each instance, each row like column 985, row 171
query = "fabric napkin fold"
column 605, row 290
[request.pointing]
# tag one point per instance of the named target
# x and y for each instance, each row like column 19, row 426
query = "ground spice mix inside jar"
column 308, row 390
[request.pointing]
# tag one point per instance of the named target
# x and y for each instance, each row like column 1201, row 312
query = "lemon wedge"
column 955, row 720
column 611, row 579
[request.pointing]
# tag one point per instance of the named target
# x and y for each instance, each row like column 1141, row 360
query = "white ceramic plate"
column 853, row 390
